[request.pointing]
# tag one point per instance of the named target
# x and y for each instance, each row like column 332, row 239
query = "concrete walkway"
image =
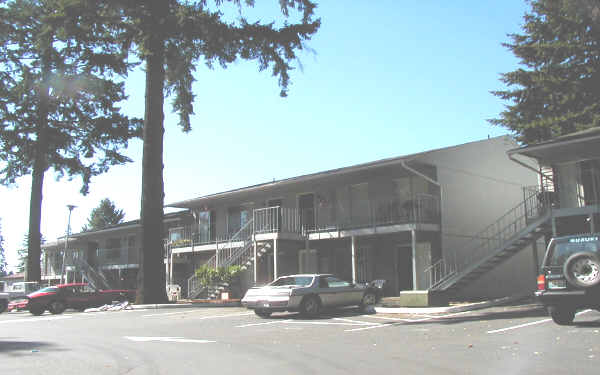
column 459, row 307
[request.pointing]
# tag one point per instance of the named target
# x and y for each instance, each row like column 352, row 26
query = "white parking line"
column 263, row 324
column 222, row 316
column 370, row 327
column 356, row 321
column 35, row 319
column 173, row 313
column 427, row 317
column 529, row 324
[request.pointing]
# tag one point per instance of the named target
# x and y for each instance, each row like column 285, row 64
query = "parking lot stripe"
column 529, row 324
column 263, row 324
column 356, row 321
column 35, row 319
column 371, row 327
column 172, row 313
column 222, row 316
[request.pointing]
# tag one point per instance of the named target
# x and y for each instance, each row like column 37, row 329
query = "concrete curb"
column 186, row 305
column 451, row 309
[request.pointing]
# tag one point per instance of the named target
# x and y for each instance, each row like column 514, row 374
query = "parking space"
column 503, row 336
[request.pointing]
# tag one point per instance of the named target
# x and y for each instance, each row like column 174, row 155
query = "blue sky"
column 387, row 78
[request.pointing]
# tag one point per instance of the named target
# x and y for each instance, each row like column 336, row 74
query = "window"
column 334, row 282
column 359, row 204
column 237, row 217
column 206, row 226
column 296, row 280
column 564, row 249
column 113, row 248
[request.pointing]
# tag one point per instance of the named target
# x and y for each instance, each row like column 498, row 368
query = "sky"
column 380, row 79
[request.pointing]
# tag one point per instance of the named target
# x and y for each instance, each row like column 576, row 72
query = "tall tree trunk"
column 151, row 276
column 32, row 270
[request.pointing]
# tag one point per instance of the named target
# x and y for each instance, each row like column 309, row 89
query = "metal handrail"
column 223, row 257
column 492, row 237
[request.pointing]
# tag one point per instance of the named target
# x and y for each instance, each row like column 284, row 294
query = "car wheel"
column 582, row 270
column 368, row 301
column 310, row 307
column 262, row 313
column 37, row 310
column 561, row 315
column 56, row 307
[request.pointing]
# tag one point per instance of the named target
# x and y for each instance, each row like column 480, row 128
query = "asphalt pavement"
column 517, row 338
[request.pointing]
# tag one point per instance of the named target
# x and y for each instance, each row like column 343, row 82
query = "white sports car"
column 309, row 293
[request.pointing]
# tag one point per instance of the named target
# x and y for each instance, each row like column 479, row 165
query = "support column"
column 395, row 249
column 171, row 267
column 217, row 255
column 413, row 236
column 353, row 247
column 275, row 258
column 254, row 264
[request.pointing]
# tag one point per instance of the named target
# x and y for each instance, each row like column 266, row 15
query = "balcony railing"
column 117, row 256
column 277, row 219
column 424, row 208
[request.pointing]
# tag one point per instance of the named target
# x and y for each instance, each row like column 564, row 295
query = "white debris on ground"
column 116, row 306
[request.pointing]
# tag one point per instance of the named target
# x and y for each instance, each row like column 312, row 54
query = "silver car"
column 309, row 293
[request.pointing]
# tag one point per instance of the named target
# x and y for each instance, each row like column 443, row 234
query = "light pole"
column 63, row 276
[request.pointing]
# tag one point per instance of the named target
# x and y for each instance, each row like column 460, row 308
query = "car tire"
column 310, row 306
column 561, row 315
column 57, row 307
column 368, row 302
column 37, row 311
column 262, row 313
column 582, row 270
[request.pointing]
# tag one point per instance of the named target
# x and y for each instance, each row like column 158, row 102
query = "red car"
column 78, row 296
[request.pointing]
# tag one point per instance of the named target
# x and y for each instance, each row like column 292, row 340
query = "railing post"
column 217, row 255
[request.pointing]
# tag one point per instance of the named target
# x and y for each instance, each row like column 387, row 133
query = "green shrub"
column 208, row 275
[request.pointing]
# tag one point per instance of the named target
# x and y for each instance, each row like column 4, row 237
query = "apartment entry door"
column 404, row 269
column 306, row 205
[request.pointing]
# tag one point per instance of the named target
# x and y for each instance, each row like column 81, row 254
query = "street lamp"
column 63, row 276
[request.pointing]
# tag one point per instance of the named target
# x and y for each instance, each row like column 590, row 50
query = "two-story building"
column 570, row 172
column 409, row 220
column 108, row 258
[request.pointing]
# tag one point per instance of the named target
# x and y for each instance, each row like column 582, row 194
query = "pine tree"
column 106, row 214
column 555, row 92
column 59, row 100
column 170, row 37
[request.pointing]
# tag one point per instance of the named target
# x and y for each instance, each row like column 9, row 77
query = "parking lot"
column 505, row 339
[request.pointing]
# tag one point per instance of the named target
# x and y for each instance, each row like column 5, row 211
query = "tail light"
column 541, row 282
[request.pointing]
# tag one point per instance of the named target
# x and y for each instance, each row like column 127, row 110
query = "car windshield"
column 293, row 280
column 563, row 249
column 49, row 289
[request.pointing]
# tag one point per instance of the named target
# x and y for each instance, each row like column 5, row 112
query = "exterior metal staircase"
column 95, row 278
column 511, row 233
column 238, row 250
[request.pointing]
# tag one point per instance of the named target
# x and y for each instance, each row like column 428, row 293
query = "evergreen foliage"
column 555, row 92
column 60, row 67
column 106, row 214
column 170, row 37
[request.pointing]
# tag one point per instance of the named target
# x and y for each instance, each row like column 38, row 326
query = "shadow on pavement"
column 324, row 315
column 16, row 348
column 496, row 313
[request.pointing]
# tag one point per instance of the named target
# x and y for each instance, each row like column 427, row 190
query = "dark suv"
column 570, row 276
